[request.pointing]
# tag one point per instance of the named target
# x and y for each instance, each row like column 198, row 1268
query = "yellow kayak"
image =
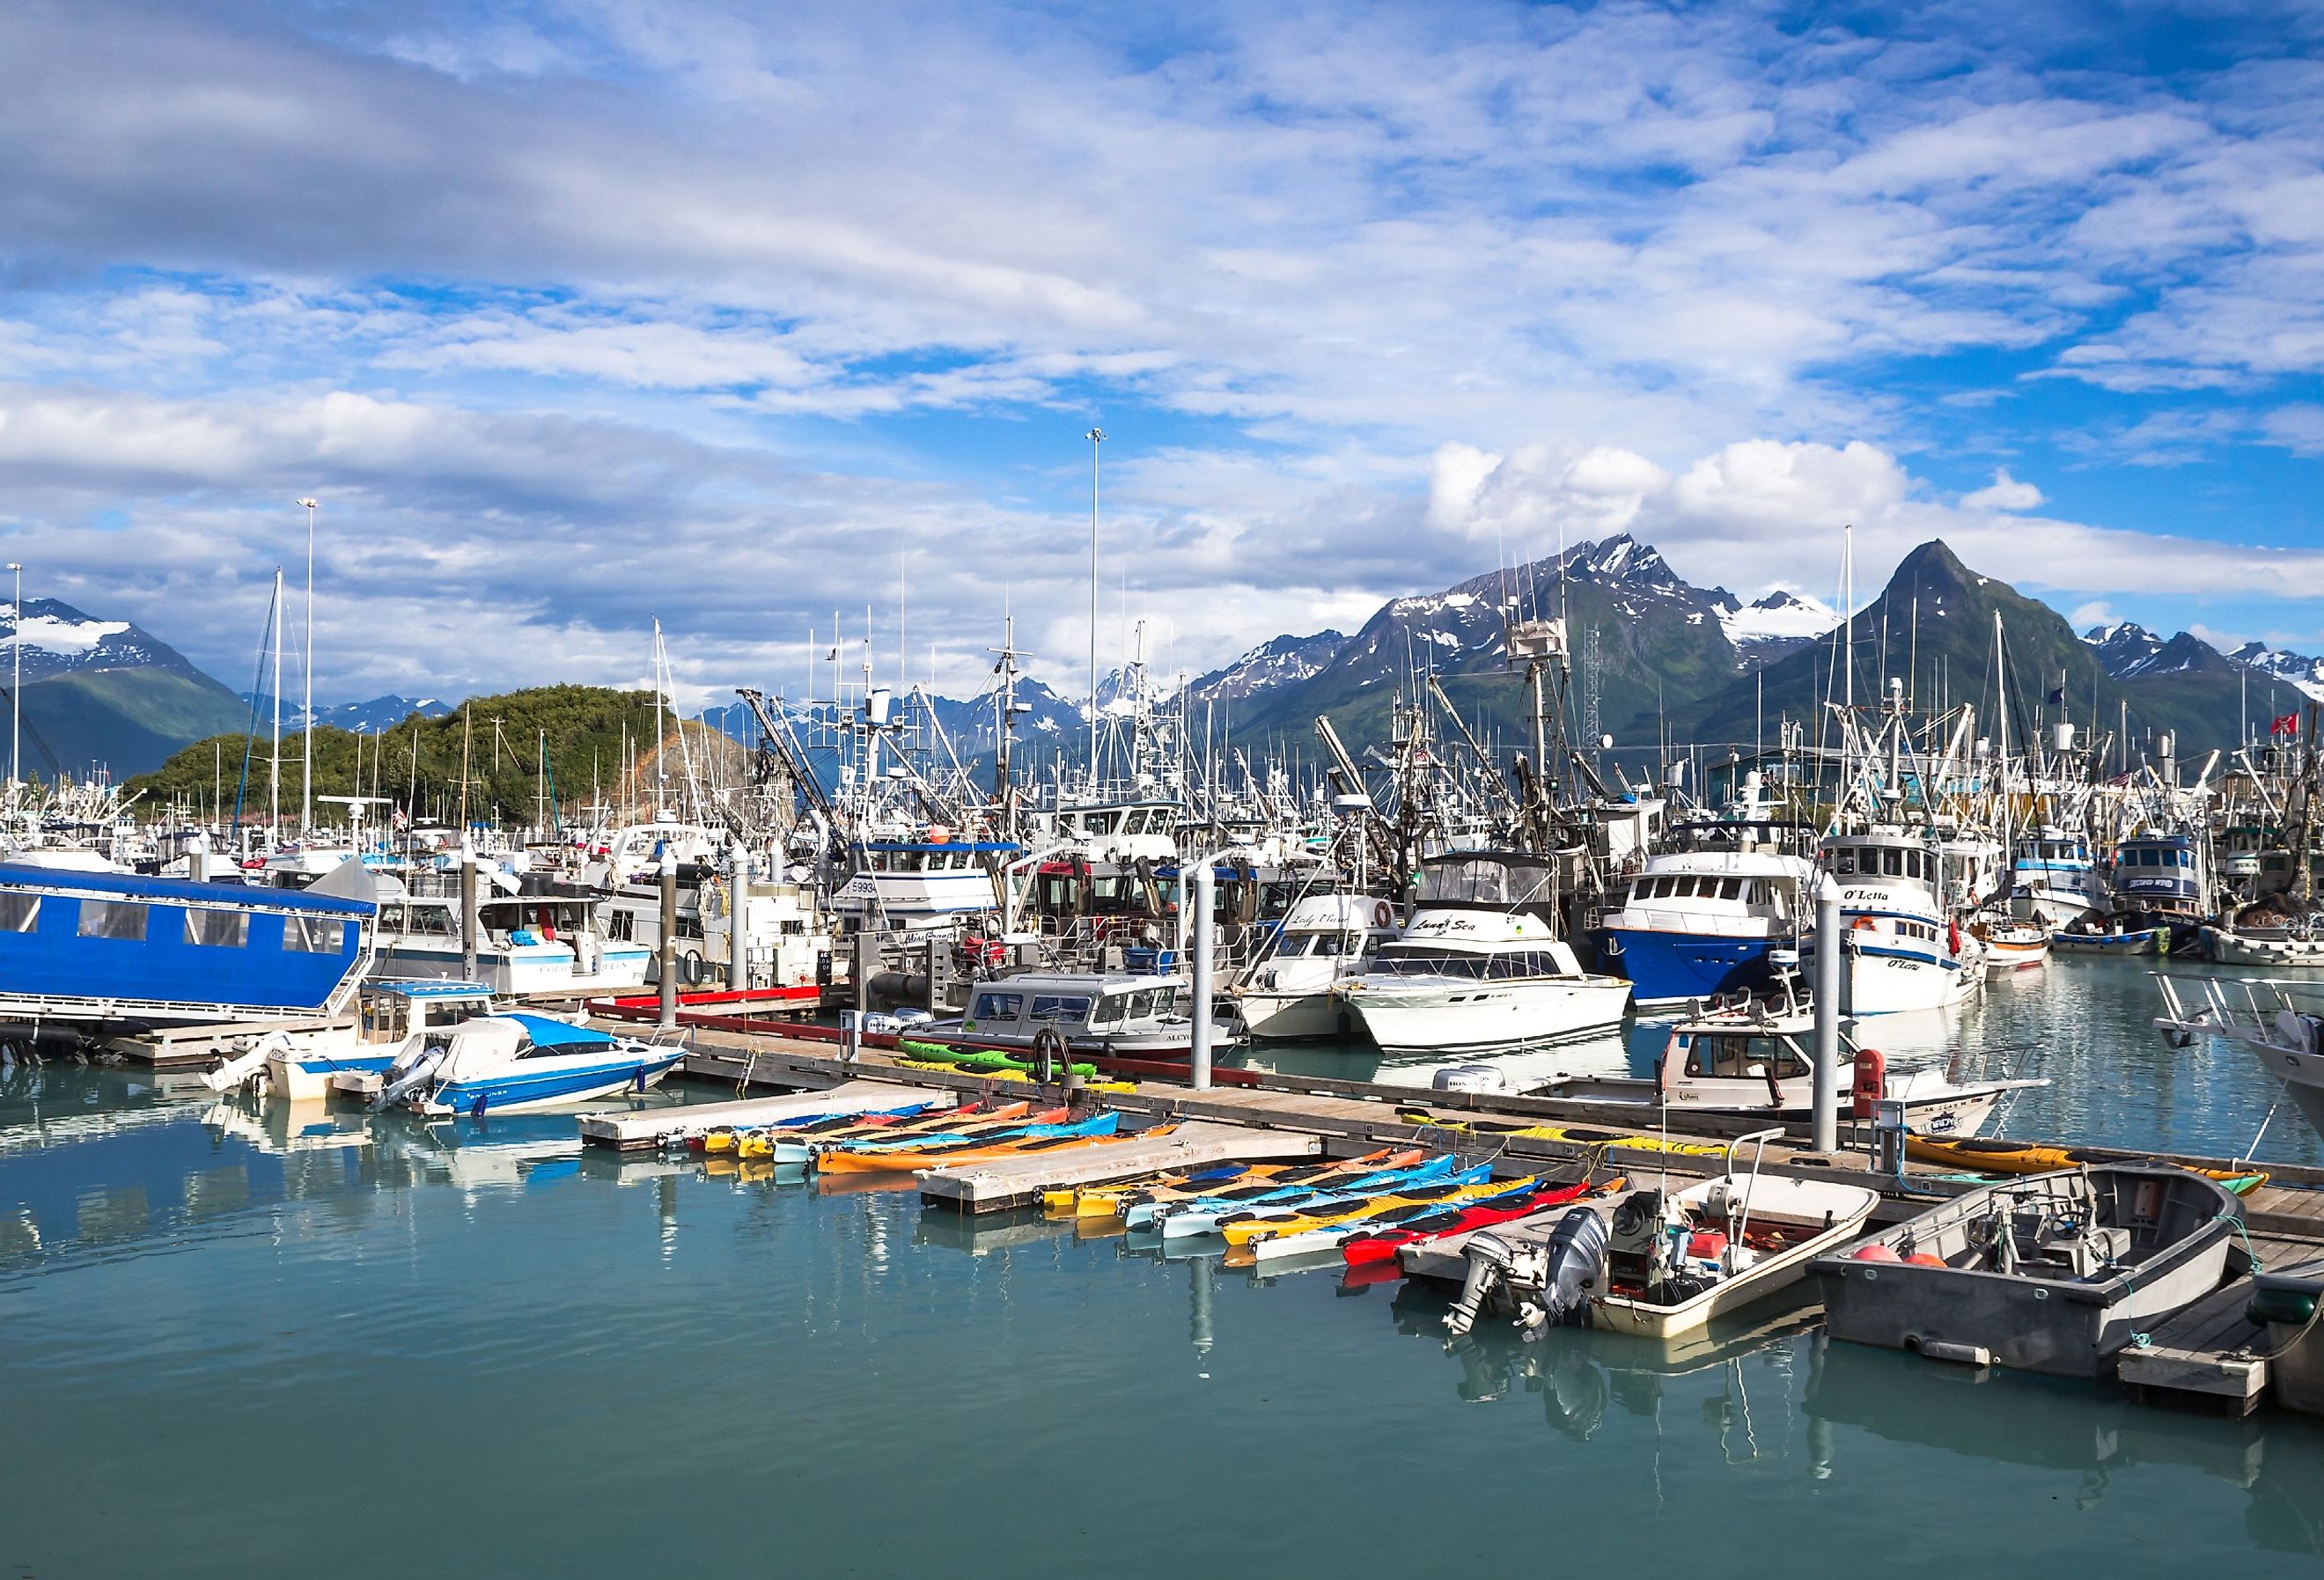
column 1578, row 1134
column 1995, row 1157
column 1112, row 1198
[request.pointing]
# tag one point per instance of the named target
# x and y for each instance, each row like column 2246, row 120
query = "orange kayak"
column 921, row 1162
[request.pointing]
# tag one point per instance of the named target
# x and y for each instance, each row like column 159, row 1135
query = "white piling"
column 667, row 951
column 738, row 913
column 1826, row 1013
column 1199, row 885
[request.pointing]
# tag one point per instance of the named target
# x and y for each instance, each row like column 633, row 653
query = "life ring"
column 1865, row 924
column 1383, row 915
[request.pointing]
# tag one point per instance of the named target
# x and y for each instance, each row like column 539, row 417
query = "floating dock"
column 2209, row 1355
column 629, row 1130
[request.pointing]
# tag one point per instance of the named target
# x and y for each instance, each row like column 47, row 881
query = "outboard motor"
column 1490, row 1257
column 244, row 1068
column 1571, row 1265
column 401, row 1086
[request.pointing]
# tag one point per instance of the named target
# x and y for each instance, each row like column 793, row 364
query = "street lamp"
column 307, row 710
column 16, row 688
column 1096, row 436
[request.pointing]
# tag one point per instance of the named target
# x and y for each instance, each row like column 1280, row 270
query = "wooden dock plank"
column 984, row 1187
column 627, row 1130
column 2201, row 1356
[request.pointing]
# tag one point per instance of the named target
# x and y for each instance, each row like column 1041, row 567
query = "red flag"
column 2286, row 725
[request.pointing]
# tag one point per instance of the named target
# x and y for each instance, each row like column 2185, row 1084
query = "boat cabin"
column 1075, row 1003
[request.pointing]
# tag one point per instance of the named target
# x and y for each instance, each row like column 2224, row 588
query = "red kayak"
column 1370, row 1249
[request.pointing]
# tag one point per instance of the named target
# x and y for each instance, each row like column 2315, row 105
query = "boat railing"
column 2245, row 1008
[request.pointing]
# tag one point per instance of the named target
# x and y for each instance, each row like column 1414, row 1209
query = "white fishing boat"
column 1287, row 995
column 2052, row 874
column 1481, row 967
column 1901, row 948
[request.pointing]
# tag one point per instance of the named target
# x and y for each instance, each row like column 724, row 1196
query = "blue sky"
column 580, row 314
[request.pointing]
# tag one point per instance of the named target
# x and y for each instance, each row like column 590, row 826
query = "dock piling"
column 1826, row 1014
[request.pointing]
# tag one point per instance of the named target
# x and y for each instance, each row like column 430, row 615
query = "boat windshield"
column 1517, row 963
column 1744, row 1058
column 1483, row 881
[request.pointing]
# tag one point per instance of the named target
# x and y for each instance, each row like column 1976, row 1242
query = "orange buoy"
column 1877, row 1251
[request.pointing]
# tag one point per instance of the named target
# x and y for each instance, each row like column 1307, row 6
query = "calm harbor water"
column 244, row 1342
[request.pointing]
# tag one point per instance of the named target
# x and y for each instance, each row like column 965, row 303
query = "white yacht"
column 1096, row 1013
column 1481, row 967
column 539, row 942
column 1901, row 950
column 1286, row 994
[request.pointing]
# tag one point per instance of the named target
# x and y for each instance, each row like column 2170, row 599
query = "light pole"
column 16, row 688
column 307, row 736
column 1096, row 436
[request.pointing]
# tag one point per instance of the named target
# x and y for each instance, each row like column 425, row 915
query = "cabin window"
column 314, row 935
column 1892, row 863
column 622, row 927
column 998, row 1006
column 217, row 929
column 19, row 913
column 1053, row 1007
column 1843, row 864
column 1730, row 888
column 113, row 919
column 1335, row 944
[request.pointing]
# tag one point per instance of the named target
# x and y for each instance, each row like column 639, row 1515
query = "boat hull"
column 1674, row 967
column 1776, row 1276
column 1466, row 1016
column 520, row 1091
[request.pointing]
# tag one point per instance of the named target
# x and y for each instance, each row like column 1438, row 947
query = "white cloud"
column 2006, row 493
column 2091, row 616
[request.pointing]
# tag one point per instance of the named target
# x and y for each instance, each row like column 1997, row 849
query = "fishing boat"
column 515, row 1061
column 1095, row 1012
column 1480, row 966
column 1900, row 950
column 2115, row 940
column 2053, row 1272
column 923, row 882
column 533, row 936
column 1756, row 1056
column 1286, row 994
column 2052, row 874
column 2297, row 943
column 1707, row 920
column 2163, row 878
column 1663, row 1264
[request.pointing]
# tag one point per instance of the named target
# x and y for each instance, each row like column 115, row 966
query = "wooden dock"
column 2207, row 1356
column 629, row 1130
column 1016, row 1182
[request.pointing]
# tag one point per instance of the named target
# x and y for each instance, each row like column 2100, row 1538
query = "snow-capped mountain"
column 381, row 713
column 2125, row 649
column 2298, row 669
column 60, row 640
column 1282, row 660
column 1767, row 629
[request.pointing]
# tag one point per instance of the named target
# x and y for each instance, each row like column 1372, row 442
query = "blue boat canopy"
column 547, row 1031
column 177, row 891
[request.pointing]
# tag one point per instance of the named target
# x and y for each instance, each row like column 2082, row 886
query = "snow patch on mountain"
column 2298, row 669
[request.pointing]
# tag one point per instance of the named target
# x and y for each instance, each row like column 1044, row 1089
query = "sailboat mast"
column 1096, row 436
column 275, row 764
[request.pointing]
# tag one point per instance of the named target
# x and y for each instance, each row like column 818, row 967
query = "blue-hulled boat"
column 117, row 951
column 512, row 1062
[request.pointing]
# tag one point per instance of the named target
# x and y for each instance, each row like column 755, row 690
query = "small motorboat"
column 2011, row 945
column 394, row 1015
column 1097, row 1014
column 1756, row 1056
column 514, row 1062
column 2053, row 1272
column 1661, row 1264
column 2145, row 940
